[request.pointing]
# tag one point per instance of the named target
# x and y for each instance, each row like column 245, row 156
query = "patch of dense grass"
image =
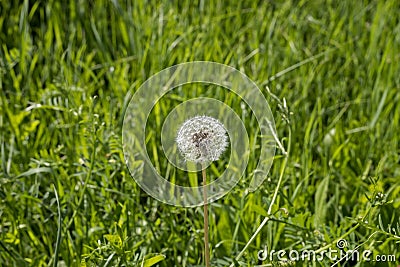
column 68, row 70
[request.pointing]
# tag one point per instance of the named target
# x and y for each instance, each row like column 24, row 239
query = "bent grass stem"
column 269, row 212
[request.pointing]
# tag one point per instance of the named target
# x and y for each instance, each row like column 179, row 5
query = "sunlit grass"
column 68, row 70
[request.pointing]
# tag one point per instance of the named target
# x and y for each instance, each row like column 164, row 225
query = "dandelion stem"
column 206, row 246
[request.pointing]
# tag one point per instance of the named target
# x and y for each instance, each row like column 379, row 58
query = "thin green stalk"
column 269, row 212
column 88, row 176
column 55, row 262
column 206, row 242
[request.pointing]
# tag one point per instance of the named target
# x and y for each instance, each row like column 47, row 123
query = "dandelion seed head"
column 202, row 139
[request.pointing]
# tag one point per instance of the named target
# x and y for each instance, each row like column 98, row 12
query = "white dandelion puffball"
column 202, row 139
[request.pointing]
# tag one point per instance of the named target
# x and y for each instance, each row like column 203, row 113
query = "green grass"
column 68, row 70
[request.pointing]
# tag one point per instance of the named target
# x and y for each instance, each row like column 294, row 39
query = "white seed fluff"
column 202, row 139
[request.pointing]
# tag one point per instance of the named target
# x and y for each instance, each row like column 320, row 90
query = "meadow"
column 330, row 71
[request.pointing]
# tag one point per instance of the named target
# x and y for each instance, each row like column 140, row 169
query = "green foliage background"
column 69, row 68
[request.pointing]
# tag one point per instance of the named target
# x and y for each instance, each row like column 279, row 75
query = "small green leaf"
column 320, row 202
column 153, row 260
column 35, row 171
column 31, row 126
column 115, row 240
